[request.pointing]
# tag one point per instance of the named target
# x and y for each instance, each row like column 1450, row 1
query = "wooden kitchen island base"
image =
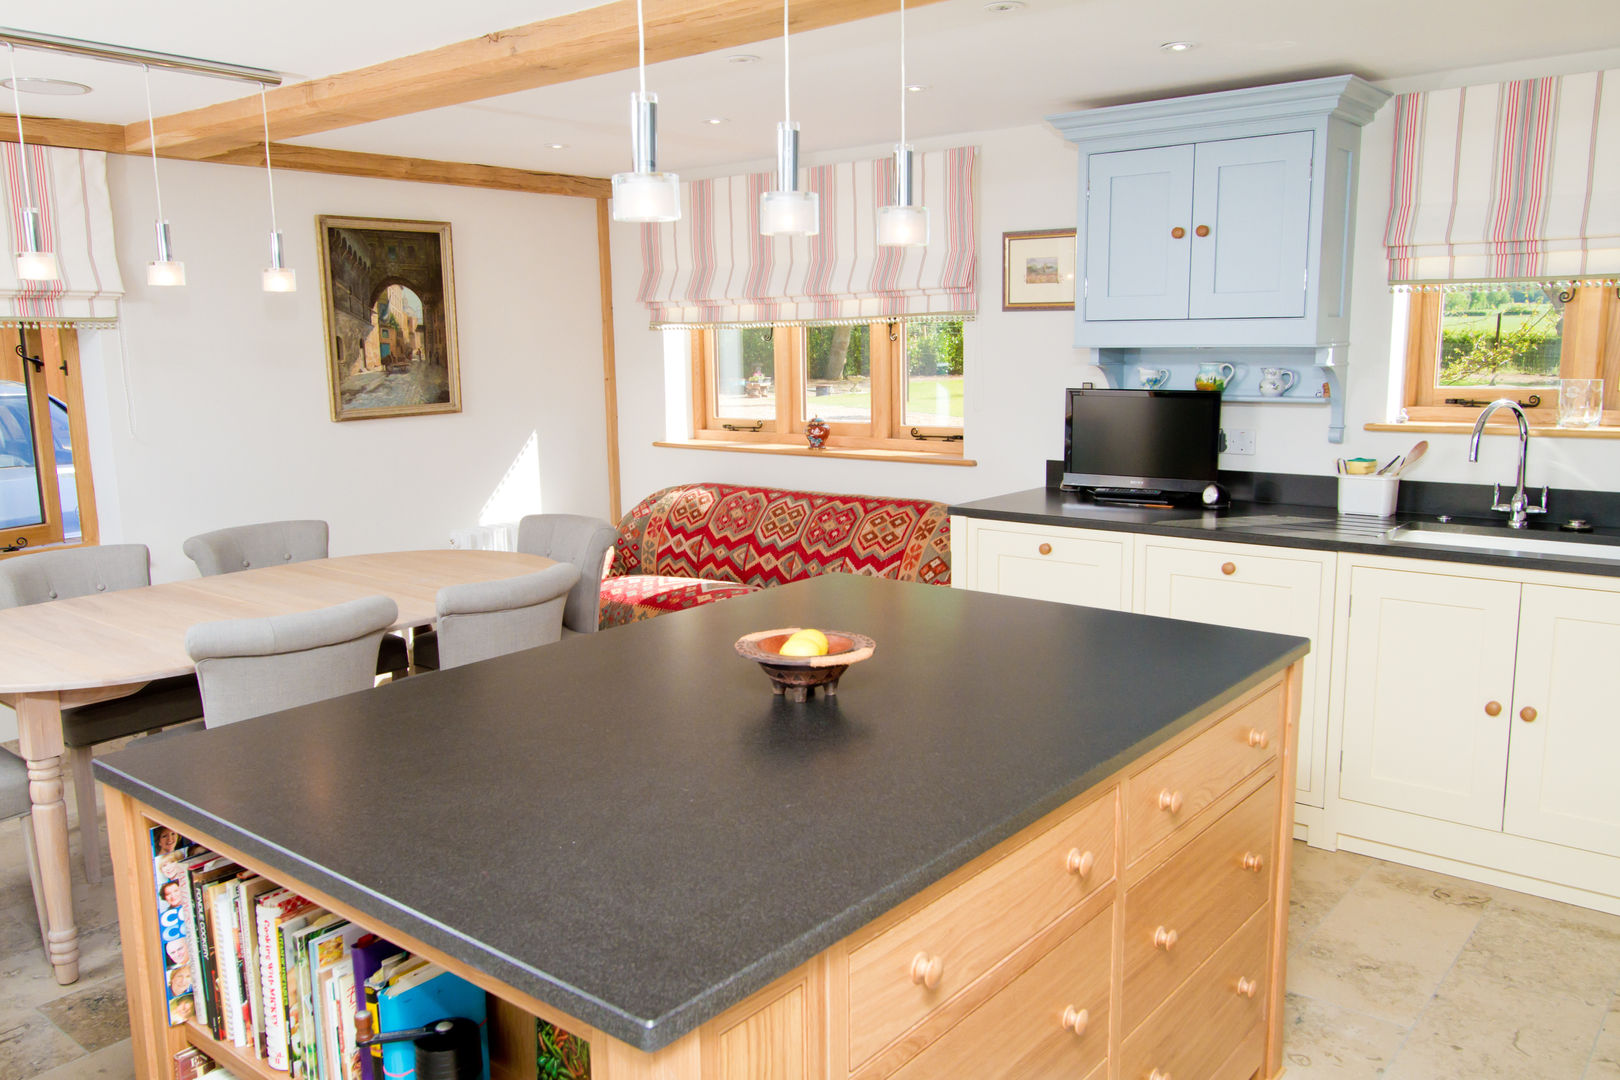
column 1136, row 933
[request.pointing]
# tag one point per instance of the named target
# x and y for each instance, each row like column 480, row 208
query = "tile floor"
column 1394, row 973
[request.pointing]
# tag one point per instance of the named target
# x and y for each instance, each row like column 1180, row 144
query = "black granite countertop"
column 1284, row 525
column 630, row 827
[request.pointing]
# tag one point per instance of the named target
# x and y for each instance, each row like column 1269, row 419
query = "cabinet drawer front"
column 1053, row 565
column 1197, row 1031
column 1169, row 793
column 1021, row 1031
column 1177, row 916
column 975, row 926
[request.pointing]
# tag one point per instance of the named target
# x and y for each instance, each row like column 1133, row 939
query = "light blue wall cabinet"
column 1221, row 220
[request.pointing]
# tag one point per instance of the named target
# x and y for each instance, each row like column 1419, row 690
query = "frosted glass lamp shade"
column 646, row 197
column 789, row 213
column 165, row 272
column 280, row 279
column 37, row 266
column 902, row 226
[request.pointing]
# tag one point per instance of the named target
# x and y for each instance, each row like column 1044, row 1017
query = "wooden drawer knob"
column 1170, row 801
column 1045, row 549
column 1527, row 714
column 1178, row 232
column 1247, row 988
column 1202, row 230
column 1158, row 1074
column 926, row 970
column 1075, row 1020
column 1165, row 939
column 1259, row 739
column 1253, row 863
column 1080, row 862
column 1228, row 568
column 1493, row 708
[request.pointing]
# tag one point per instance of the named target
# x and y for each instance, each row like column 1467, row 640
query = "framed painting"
column 389, row 299
column 1037, row 270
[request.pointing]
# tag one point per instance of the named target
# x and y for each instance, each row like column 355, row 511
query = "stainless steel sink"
column 1507, row 541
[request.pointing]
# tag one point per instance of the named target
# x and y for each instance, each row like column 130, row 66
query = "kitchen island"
column 1028, row 836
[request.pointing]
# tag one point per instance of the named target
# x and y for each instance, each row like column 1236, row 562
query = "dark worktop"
column 629, row 826
column 1284, row 525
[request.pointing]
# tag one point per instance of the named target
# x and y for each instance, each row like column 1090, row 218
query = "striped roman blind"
column 713, row 268
column 70, row 190
column 1515, row 181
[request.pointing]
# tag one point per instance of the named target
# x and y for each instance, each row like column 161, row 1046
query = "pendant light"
column 645, row 194
column 787, row 211
column 165, row 270
column 902, row 225
column 34, row 263
column 277, row 277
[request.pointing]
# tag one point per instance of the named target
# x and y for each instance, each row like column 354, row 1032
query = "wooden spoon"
column 1414, row 455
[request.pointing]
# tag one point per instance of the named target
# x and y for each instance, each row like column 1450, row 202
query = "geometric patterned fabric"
column 686, row 540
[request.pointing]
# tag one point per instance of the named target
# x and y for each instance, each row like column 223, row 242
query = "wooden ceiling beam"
column 580, row 44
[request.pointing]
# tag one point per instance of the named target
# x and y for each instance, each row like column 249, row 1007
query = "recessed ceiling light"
column 29, row 84
column 742, row 58
column 1004, row 7
column 1178, row 46
column 556, row 146
column 916, row 87
column 715, row 120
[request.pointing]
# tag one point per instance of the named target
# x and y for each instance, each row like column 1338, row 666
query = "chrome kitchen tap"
column 1518, row 507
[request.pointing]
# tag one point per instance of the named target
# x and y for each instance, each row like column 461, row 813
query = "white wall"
column 1018, row 363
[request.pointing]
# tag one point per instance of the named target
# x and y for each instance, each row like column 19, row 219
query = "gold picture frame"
column 1037, row 270
column 388, row 302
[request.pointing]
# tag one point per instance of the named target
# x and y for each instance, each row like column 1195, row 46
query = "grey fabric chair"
column 274, row 543
column 484, row 619
column 44, row 576
column 583, row 541
column 249, row 667
column 14, row 804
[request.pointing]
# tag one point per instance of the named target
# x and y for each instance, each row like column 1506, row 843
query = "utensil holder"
column 1368, row 496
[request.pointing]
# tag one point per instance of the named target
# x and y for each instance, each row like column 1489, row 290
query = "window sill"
column 1609, row 431
column 800, row 450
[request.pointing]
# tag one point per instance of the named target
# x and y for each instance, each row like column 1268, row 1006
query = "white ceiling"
column 983, row 70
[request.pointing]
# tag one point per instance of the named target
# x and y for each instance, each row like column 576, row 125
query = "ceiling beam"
column 595, row 41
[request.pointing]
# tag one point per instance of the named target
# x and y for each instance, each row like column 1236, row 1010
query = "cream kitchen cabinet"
column 1089, row 567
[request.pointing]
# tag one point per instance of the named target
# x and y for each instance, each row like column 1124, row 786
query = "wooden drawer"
column 1200, row 896
column 974, row 926
column 1200, row 1029
column 1073, row 566
column 1170, row 792
column 1021, row 1031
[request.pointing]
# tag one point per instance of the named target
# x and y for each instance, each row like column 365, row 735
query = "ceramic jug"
column 1214, row 376
column 1275, row 382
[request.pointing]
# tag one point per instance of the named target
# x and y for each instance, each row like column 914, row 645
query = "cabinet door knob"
column 1493, row 708
column 1178, row 232
column 1165, row 939
column 1228, row 568
column 1075, row 1020
column 1252, row 862
column 1158, row 1074
column 1045, row 549
column 926, row 970
column 1202, row 230
column 1259, row 739
column 1170, row 801
column 1247, row 987
column 1527, row 714
column 1080, row 862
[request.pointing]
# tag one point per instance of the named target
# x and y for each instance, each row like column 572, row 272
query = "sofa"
column 694, row 544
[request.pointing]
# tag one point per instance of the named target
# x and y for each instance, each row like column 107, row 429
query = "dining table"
column 106, row 645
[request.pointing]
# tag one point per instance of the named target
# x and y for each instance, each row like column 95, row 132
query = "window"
column 1469, row 346
column 46, row 494
column 891, row 386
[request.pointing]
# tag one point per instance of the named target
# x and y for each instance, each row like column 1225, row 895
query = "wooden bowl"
column 797, row 676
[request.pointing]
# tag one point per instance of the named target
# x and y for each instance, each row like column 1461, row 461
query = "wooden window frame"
column 1591, row 350
column 57, row 348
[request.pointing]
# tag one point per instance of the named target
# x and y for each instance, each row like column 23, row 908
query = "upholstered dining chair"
column 484, row 619
column 583, row 541
column 14, row 803
column 274, row 543
column 44, row 576
column 249, row 667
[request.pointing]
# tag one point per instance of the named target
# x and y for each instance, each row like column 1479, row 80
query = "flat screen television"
column 1141, row 440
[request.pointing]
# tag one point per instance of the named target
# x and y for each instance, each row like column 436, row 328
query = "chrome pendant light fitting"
column 165, row 270
column 644, row 194
column 787, row 211
column 277, row 277
column 34, row 262
column 903, row 224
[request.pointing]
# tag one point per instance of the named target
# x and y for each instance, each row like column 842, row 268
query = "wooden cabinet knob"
column 1202, row 230
column 926, row 970
column 1259, row 739
column 1045, row 549
column 1080, row 862
column 1165, row 939
column 1178, row 232
column 1493, row 708
column 1253, row 863
column 1228, row 568
column 1075, row 1020
column 1247, row 988
column 1158, row 1074
column 1527, row 714
column 1170, row 801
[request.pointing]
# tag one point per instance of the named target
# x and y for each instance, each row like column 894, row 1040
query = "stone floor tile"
column 31, row 1044
column 1480, row 1029
column 1605, row 1063
column 116, row 1062
column 1320, row 880
column 95, row 1017
column 1528, row 949
column 1324, row 1042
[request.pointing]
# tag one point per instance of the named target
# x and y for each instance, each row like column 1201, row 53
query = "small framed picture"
column 1037, row 270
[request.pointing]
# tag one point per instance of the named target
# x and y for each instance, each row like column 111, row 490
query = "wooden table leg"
column 39, row 729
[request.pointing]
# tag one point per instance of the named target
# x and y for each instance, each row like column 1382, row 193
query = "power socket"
column 1237, row 441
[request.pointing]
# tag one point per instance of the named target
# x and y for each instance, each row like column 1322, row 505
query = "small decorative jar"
column 816, row 432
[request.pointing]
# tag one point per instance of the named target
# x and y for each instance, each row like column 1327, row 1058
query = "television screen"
column 1165, row 440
